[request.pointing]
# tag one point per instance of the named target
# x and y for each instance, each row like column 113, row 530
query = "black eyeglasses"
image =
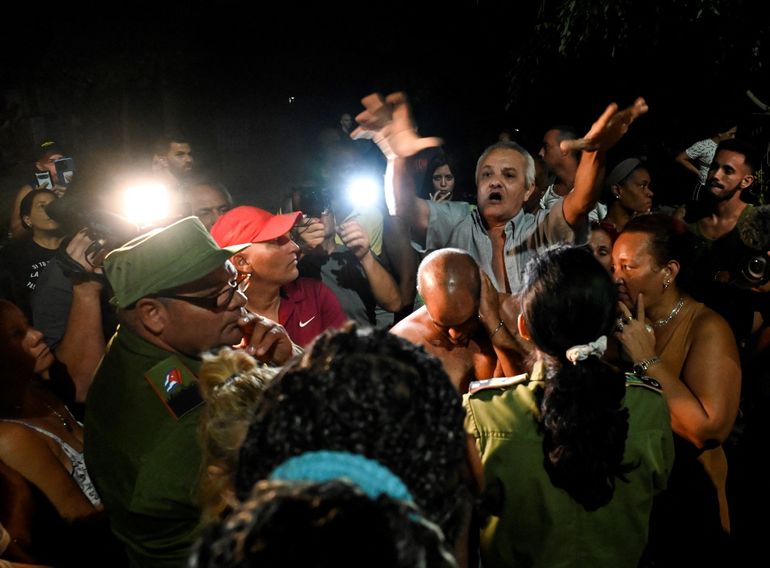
column 213, row 303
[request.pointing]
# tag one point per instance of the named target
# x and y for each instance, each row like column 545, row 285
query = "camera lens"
column 755, row 268
column 313, row 201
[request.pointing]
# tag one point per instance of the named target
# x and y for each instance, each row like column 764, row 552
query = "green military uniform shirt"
column 142, row 449
column 538, row 524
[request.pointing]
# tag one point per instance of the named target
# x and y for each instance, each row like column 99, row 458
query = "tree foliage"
column 690, row 38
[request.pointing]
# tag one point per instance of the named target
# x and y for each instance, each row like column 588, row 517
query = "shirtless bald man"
column 460, row 322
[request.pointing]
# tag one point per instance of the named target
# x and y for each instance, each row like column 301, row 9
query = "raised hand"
column 389, row 123
column 355, row 238
column 309, row 233
column 608, row 128
column 265, row 339
column 636, row 336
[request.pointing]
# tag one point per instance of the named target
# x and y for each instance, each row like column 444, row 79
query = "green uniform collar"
column 135, row 344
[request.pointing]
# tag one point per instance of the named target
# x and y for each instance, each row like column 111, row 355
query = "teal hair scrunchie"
column 372, row 477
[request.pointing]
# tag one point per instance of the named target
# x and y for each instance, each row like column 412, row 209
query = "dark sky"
column 108, row 79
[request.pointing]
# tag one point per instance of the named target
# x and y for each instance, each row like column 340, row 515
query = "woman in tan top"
column 690, row 350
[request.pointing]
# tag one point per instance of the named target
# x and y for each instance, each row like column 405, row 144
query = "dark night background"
column 105, row 81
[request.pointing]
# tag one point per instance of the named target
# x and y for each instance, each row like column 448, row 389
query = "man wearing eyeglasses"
column 176, row 297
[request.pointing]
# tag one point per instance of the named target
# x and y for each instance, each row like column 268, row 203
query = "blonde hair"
column 231, row 383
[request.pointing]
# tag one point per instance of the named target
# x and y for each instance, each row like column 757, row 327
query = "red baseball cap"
column 247, row 224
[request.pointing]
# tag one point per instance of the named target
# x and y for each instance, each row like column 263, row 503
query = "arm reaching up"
column 388, row 122
column 608, row 129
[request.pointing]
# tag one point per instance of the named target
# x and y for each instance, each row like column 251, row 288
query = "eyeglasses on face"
column 216, row 302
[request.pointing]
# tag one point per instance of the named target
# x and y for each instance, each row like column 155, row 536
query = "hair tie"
column 372, row 477
column 581, row 352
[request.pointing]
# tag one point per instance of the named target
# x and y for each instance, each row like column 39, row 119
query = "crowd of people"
column 562, row 373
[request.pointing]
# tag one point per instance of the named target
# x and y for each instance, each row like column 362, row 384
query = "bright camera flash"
column 145, row 204
column 363, row 191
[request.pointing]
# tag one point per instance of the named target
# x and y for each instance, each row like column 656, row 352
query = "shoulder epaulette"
column 176, row 386
column 497, row 383
column 644, row 382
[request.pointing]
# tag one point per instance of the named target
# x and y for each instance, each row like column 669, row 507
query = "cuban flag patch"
column 173, row 379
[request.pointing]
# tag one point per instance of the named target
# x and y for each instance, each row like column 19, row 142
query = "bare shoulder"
column 708, row 322
column 411, row 328
column 16, row 437
column 712, row 339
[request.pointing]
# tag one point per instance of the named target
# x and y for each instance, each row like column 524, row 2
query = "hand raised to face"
column 266, row 340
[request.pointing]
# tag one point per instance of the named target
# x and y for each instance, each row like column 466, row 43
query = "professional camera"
column 313, row 201
column 753, row 266
column 107, row 230
column 343, row 194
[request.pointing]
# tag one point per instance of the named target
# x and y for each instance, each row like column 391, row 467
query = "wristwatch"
column 641, row 367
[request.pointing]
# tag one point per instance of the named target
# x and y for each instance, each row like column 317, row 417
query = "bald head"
column 449, row 272
column 449, row 282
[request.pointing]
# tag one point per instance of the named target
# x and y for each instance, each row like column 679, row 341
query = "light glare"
column 363, row 191
column 146, row 204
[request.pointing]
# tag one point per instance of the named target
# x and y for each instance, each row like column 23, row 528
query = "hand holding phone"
column 65, row 169
column 44, row 180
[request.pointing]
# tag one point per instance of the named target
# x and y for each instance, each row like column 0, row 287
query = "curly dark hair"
column 330, row 524
column 371, row 393
column 569, row 299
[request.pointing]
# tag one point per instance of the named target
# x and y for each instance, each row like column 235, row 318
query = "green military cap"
column 163, row 259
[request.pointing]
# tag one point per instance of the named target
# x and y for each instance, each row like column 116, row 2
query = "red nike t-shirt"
column 308, row 308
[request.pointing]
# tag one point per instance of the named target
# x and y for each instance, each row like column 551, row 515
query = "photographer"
column 352, row 249
column 70, row 305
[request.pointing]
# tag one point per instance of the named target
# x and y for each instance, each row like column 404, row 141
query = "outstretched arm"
column 603, row 135
column 389, row 123
column 406, row 205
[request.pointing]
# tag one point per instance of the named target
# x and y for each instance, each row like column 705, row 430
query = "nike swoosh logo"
column 304, row 323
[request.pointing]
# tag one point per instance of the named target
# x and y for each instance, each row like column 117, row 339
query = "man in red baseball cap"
column 304, row 306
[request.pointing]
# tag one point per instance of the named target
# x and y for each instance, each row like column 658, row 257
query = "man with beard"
column 461, row 323
column 173, row 163
column 718, row 245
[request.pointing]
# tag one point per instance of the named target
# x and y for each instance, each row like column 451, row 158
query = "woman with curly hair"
column 370, row 393
column 330, row 523
column 231, row 383
column 573, row 454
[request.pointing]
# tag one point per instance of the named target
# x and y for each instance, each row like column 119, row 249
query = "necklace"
column 66, row 423
column 672, row 315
